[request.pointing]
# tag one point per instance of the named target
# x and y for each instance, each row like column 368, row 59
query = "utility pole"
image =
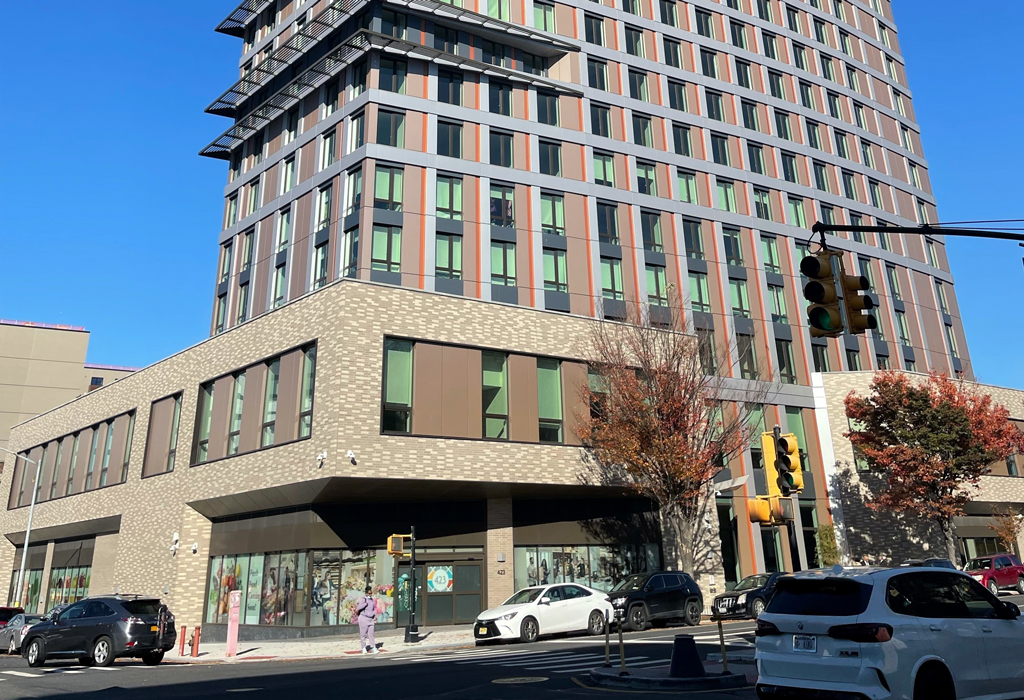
column 412, row 632
column 925, row 230
column 28, row 528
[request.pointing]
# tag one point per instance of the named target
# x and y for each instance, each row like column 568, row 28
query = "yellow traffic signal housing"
column 782, row 509
column 824, row 315
column 790, row 471
column 396, row 544
column 856, row 302
column 771, row 475
column 759, row 510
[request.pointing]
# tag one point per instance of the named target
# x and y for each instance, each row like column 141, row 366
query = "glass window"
column 635, row 41
column 387, row 189
column 594, row 29
column 657, row 287
column 677, row 95
column 705, row 26
column 642, row 133
column 650, row 225
column 547, row 108
column 607, row 223
column 502, row 206
column 611, row 278
column 549, row 399
column 552, row 214
column 270, row 403
column 324, row 205
column 500, row 98
column 600, row 120
column 550, row 158
column 726, row 195
column 789, row 169
column 733, row 248
column 234, row 421
column 495, row 395
column 700, row 297
column 284, row 229
column 770, row 251
column 449, row 256
column 397, row 410
column 681, row 139
column 503, row 263
column 638, row 85
column 737, row 31
column 687, row 183
column 743, row 74
column 391, row 128
column 544, row 16
column 597, row 73
column 645, row 179
column 449, row 87
column 501, row 149
column 555, row 272
column 604, row 169
column 328, row 149
column 787, row 368
column 777, row 299
column 756, row 157
column 740, row 300
column 668, row 12
column 350, row 252
column 673, row 53
column 762, row 204
column 357, row 132
column 205, row 415
column 747, row 357
column 782, row 127
column 392, row 75
column 796, row 212
column 449, row 139
column 714, row 105
column 499, row 9
column 386, row 248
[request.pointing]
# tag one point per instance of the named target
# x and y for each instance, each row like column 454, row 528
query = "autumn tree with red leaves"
column 1008, row 528
column 656, row 424
column 933, row 440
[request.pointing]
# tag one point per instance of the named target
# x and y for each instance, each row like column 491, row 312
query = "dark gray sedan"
column 12, row 633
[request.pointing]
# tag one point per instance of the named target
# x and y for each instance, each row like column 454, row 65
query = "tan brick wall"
column 104, row 564
column 349, row 320
column 500, row 579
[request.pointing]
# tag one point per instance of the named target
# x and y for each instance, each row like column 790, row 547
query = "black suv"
column 658, row 597
column 99, row 629
column 748, row 599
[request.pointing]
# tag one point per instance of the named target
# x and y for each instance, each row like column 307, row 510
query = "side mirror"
column 1011, row 611
column 545, row 601
column 648, row 589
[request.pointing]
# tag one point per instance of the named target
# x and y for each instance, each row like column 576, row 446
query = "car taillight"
column 766, row 629
column 863, row 633
column 134, row 620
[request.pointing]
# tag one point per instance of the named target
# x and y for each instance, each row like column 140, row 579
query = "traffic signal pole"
column 925, row 230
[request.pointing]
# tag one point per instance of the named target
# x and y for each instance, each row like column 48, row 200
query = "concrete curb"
column 659, row 679
column 178, row 661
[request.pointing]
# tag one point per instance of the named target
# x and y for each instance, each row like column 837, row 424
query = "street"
column 552, row 667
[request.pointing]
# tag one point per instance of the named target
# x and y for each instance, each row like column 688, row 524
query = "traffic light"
column 396, row 544
column 823, row 315
column 771, row 473
column 759, row 510
column 856, row 302
column 790, row 473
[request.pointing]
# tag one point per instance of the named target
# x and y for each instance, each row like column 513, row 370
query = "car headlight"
column 619, row 602
column 509, row 616
column 742, row 599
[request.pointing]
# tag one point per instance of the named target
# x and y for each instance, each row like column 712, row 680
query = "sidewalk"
column 389, row 641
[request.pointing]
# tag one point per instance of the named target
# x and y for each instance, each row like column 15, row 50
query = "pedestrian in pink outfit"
column 366, row 611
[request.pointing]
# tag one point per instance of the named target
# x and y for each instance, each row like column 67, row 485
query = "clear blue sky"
column 108, row 218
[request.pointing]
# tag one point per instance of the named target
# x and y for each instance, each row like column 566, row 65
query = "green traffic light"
column 821, row 319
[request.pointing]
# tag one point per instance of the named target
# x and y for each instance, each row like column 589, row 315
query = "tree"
column 657, row 424
column 1008, row 528
column 932, row 440
column 828, row 550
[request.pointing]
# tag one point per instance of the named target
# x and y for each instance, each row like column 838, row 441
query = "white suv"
column 874, row 634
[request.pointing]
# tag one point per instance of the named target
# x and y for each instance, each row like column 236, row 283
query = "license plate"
column 154, row 628
column 805, row 642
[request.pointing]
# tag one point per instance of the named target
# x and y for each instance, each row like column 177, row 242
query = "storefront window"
column 596, row 566
column 29, row 599
column 68, row 585
column 299, row 588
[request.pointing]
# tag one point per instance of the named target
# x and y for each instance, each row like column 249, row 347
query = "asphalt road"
column 553, row 668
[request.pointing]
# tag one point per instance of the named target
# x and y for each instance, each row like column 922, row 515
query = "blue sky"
column 108, row 218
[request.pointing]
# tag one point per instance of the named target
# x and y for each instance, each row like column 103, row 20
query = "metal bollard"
column 622, row 648
column 721, row 644
column 181, row 641
column 607, row 640
column 195, row 642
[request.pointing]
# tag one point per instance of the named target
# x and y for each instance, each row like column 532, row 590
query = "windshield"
column 980, row 564
column 8, row 613
column 834, row 597
column 527, row 595
column 29, row 619
column 751, row 582
column 142, row 607
column 631, row 583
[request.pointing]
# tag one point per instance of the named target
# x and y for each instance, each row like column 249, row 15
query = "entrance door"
column 447, row 593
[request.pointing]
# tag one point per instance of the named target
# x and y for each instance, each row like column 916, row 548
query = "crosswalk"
column 547, row 660
column 44, row 671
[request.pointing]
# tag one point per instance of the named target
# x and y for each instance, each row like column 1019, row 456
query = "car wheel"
column 152, row 658
column 36, row 653
column 692, row 614
column 638, row 618
column 934, row 683
column 595, row 625
column 756, row 608
column 1020, row 585
column 529, row 631
column 102, row 652
column 11, row 649
column 993, row 588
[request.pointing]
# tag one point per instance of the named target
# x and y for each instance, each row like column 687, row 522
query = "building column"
column 44, row 585
column 104, row 561
column 187, row 591
column 498, row 551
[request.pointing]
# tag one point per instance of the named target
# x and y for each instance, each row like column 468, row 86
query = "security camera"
column 174, row 543
column 320, row 459
column 351, row 456
column 195, row 548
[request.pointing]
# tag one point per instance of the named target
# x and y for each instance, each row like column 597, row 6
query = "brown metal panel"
column 262, row 267
column 65, row 462
column 475, row 377
column 522, row 399
column 158, row 436
column 223, row 388
column 455, row 393
column 115, row 465
column 82, row 463
column 427, row 383
column 574, row 378
column 97, row 461
column 19, row 468
column 46, row 474
column 286, row 427
column 252, row 408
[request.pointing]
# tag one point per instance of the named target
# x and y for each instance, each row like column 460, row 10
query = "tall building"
column 427, row 206
column 42, row 365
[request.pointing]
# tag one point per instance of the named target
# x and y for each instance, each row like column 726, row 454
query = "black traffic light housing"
column 824, row 315
column 856, row 302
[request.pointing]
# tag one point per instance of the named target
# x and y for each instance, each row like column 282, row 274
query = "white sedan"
column 888, row 634
column 564, row 607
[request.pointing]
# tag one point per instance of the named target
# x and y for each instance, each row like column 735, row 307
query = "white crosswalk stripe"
column 550, row 660
column 22, row 674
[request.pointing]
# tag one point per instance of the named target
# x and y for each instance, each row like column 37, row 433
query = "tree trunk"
column 946, row 525
column 673, row 538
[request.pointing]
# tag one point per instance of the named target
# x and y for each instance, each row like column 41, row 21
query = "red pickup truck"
column 997, row 571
